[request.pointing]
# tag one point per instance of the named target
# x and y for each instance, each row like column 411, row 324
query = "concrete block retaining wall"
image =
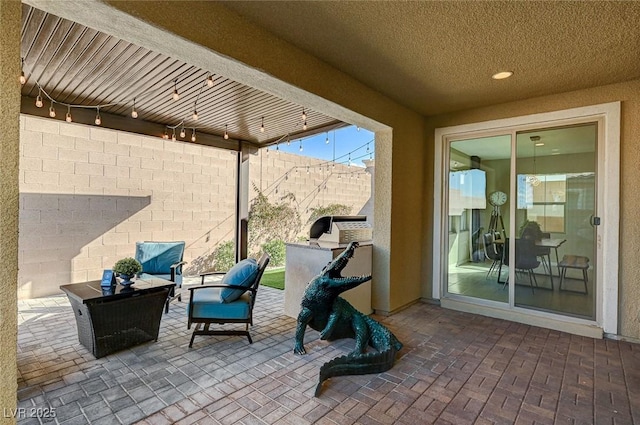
column 87, row 194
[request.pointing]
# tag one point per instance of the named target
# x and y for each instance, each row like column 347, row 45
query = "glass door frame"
column 607, row 208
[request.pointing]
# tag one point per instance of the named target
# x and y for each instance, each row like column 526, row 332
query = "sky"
column 346, row 140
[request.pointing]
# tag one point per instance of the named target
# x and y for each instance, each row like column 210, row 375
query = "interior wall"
column 10, row 12
column 628, row 94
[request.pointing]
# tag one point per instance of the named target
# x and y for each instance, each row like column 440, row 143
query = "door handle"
column 594, row 221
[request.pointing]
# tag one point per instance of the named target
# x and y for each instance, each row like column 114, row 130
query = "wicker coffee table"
column 114, row 319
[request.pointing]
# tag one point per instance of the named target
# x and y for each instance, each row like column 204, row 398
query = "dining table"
column 554, row 243
column 551, row 243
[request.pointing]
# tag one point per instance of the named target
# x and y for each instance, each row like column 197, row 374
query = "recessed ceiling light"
column 540, row 144
column 502, row 75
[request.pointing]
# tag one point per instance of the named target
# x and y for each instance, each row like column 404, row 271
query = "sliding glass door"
column 478, row 217
column 521, row 216
column 556, row 217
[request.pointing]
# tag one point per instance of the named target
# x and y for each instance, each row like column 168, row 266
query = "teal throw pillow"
column 242, row 274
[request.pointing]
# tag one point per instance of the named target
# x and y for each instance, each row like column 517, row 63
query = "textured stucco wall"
column 10, row 12
column 629, row 94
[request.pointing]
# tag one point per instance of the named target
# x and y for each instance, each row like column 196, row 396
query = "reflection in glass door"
column 555, row 209
column 478, row 217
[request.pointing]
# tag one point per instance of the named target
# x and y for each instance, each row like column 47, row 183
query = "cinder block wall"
column 314, row 182
column 87, row 194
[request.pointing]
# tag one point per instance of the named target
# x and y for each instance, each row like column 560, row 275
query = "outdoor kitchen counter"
column 305, row 260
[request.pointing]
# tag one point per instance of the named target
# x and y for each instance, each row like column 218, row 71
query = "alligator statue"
column 326, row 312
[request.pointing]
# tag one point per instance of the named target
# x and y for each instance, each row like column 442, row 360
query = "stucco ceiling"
column 433, row 57
column 437, row 57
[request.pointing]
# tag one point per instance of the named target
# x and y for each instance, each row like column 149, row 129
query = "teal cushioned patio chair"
column 230, row 301
column 163, row 260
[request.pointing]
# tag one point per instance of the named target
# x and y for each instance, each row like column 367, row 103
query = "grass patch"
column 273, row 278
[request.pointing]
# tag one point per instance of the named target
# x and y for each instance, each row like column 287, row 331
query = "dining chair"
column 491, row 252
column 525, row 261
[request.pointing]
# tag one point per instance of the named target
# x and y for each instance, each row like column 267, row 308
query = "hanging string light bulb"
column 22, row 78
column 367, row 146
column 262, row 126
column 288, row 142
column 134, row 113
column 98, row 120
column 182, row 132
column 176, row 95
column 278, row 148
column 165, row 135
column 226, row 135
column 173, row 136
column 210, row 80
column 304, row 125
column 304, row 115
column 193, row 135
column 195, row 114
column 326, row 141
column 307, row 169
column 533, row 179
column 300, row 145
column 39, row 98
column 52, row 111
column 68, row 117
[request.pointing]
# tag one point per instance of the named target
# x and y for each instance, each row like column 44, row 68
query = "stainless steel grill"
column 341, row 229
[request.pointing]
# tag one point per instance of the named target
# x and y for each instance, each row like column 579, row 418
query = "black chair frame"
column 491, row 252
column 526, row 261
column 203, row 323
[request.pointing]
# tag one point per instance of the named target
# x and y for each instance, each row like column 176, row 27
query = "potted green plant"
column 126, row 269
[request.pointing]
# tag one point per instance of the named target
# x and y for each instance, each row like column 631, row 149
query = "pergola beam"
column 128, row 124
column 334, row 125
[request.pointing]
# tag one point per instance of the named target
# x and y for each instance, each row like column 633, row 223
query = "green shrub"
column 272, row 221
column 331, row 209
column 224, row 256
column 276, row 250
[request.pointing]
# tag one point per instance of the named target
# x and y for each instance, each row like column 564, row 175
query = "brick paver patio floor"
column 455, row 368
